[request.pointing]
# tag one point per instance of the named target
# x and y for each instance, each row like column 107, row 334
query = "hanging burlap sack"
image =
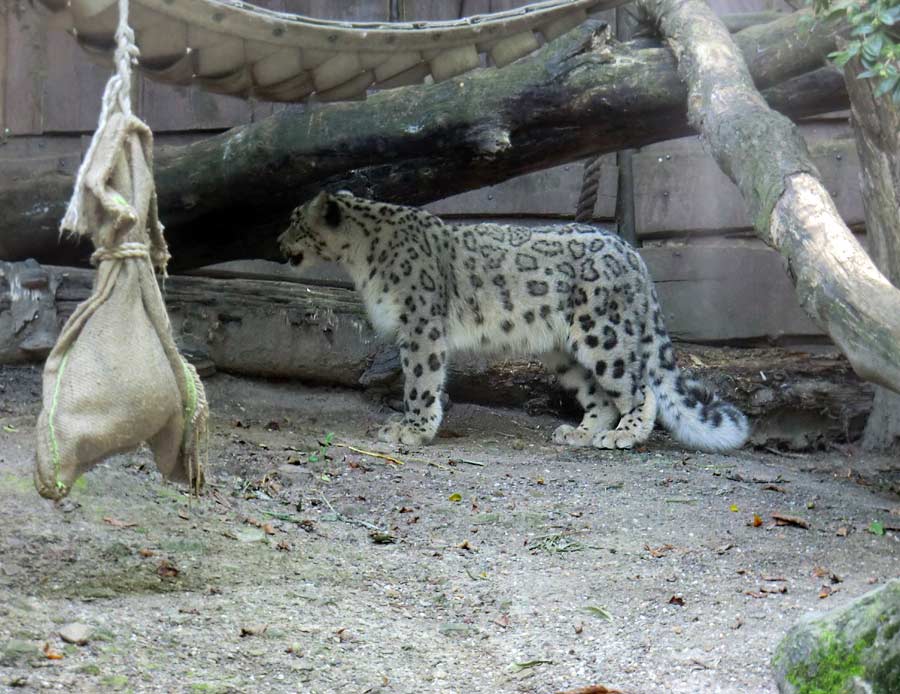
column 115, row 377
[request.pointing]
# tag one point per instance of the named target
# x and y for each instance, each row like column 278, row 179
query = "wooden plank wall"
column 689, row 216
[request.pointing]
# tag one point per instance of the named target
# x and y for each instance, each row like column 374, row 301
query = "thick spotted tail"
column 697, row 416
column 689, row 409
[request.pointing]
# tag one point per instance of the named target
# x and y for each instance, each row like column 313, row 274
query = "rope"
column 590, row 183
column 116, row 96
column 130, row 249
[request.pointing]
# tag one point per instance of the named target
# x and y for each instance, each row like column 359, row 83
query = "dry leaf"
column 184, row 515
column 773, row 590
column 254, row 630
column 824, row 592
column 843, row 531
column 167, row 570
column 657, row 552
column 268, row 529
column 116, row 523
column 502, row 621
column 822, row 572
column 757, row 521
column 592, row 689
column 782, row 519
column 284, row 546
column 144, row 552
column 50, row 654
column 676, row 600
column 381, row 538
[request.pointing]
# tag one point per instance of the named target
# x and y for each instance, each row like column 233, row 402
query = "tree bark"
column 876, row 124
column 228, row 197
column 760, row 150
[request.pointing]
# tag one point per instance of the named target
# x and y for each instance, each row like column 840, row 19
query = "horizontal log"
column 320, row 335
column 228, row 197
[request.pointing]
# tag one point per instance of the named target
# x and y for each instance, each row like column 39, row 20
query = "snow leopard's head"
column 316, row 231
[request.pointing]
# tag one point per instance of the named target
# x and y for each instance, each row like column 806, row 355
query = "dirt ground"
column 539, row 569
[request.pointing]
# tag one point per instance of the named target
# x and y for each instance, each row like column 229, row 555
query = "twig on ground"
column 466, row 461
column 373, row 454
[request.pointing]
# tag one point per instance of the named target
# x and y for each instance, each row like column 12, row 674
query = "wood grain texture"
column 26, row 69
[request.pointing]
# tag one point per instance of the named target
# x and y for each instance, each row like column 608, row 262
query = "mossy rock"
column 853, row 648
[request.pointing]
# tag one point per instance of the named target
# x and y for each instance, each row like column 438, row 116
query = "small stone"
column 76, row 633
column 294, row 474
column 454, row 628
column 250, row 535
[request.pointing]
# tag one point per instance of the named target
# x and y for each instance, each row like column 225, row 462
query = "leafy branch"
column 875, row 39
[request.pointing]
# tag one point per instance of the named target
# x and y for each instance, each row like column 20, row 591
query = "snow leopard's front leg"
column 423, row 354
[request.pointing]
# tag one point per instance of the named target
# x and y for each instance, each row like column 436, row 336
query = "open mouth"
column 295, row 260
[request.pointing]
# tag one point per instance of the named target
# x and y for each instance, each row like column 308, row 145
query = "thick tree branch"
column 760, row 150
column 227, row 197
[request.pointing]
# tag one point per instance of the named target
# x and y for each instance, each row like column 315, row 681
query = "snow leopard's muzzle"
column 293, row 255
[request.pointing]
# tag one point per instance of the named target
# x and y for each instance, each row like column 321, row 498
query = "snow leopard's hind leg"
column 599, row 412
column 608, row 344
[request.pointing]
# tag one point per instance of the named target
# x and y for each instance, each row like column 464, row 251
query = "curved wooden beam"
column 760, row 150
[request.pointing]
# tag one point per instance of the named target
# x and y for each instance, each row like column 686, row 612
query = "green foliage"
column 323, row 448
column 875, row 39
column 830, row 669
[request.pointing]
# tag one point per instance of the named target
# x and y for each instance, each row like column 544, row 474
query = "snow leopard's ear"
column 333, row 213
column 324, row 210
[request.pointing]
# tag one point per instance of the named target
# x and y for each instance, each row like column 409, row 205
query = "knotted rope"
column 116, row 97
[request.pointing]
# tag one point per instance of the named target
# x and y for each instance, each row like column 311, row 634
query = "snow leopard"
column 576, row 296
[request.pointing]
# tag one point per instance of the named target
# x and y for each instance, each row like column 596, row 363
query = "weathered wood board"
column 549, row 193
column 26, row 65
column 4, row 39
column 726, row 293
column 25, row 156
column 669, row 202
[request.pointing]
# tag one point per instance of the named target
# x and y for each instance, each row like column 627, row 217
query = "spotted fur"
column 578, row 296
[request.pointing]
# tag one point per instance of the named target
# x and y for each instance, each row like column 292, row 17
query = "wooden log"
column 759, row 149
column 228, row 197
column 876, row 124
column 320, row 335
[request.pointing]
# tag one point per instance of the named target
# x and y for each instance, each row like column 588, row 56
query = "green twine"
column 54, row 446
